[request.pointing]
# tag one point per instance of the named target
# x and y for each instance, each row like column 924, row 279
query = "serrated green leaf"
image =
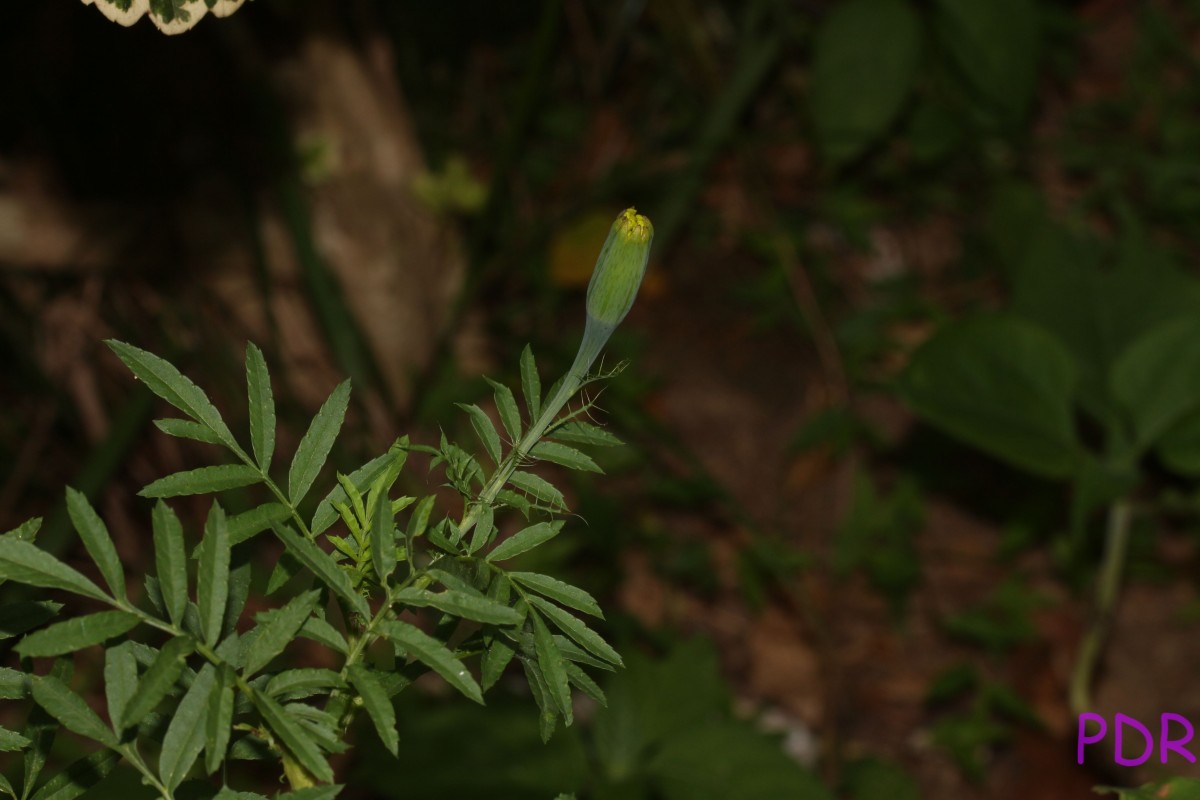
column 99, row 544
column 326, row 513
column 553, row 667
column 525, row 540
column 531, row 384
column 69, row 708
column 14, row 685
column 293, row 684
column 170, row 560
column 378, row 705
column 575, row 628
column 120, row 681
column 185, row 735
column 27, row 531
column 157, row 681
column 433, row 654
column 25, row 615
column 383, row 538
column 212, row 575
column 324, row 567
column 317, row 442
column 78, row 777
column 203, row 480
column 219, row 722
column 313, row 793
column 22, row 562
column 506, row 407
column 461, row 604
column 297, row 741
column 582, row 681
column 262, row 407
column 484, row 429
column 565, row 593
column 186, row 429
column 286, row 568
column 579, row 432
column 76, row 633
column 11, row 741
column 548, row 711
column 565, row 456
column 323, row 633
column 248, row 524
column 277, row 629
column 542, row 491
column 42, row 728
column 497, row 657
column 485, row 529
column 419, row 520
column 170, row 384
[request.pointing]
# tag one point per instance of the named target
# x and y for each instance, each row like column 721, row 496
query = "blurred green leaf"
column 1157, row 378
column 996, row 44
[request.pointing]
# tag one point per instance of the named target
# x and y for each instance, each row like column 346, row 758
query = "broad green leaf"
column 203, row 480
column 1156, row 379
column 322, row 632
column 249, row 524
column 170, row 384
column 293, row 736
column 293, row 684
column 461, row 604
column 186, row 429
column 212, row 575
column 554, row 669
column 120, row 681
column 157, row 681
column 579, row 432
column 11, row 741
column 565, row 593
column 540, row 489
column 76, row 633
column 170, row 560
column 276, row 629
column 433, row 654
column 78, row 777
column 324, row 567
column 185, row 735
column 99, row 544
column 262, row 407
column 723, row 760
column 484, row 429
column 378, row 705
column 485, row 529
column 25, row 615
column 1002, row 385
column 506, row 406
column 531, row 384
column 317, row 442
column 219, row 722
column 994, row 43
column 69, row 708
column 565, row 456
column 362, row 478
column 525, row 540
column 864, row 64
column 383, row 538
column 22, row 562
column 573, row 627
column 1179, row 447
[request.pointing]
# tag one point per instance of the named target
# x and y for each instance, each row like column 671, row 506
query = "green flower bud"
column 619, row 269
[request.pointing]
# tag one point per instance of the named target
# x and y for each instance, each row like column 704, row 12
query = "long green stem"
column 1108, row 587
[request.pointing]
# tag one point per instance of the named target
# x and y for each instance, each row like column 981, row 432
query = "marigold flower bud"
column 619, row 269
